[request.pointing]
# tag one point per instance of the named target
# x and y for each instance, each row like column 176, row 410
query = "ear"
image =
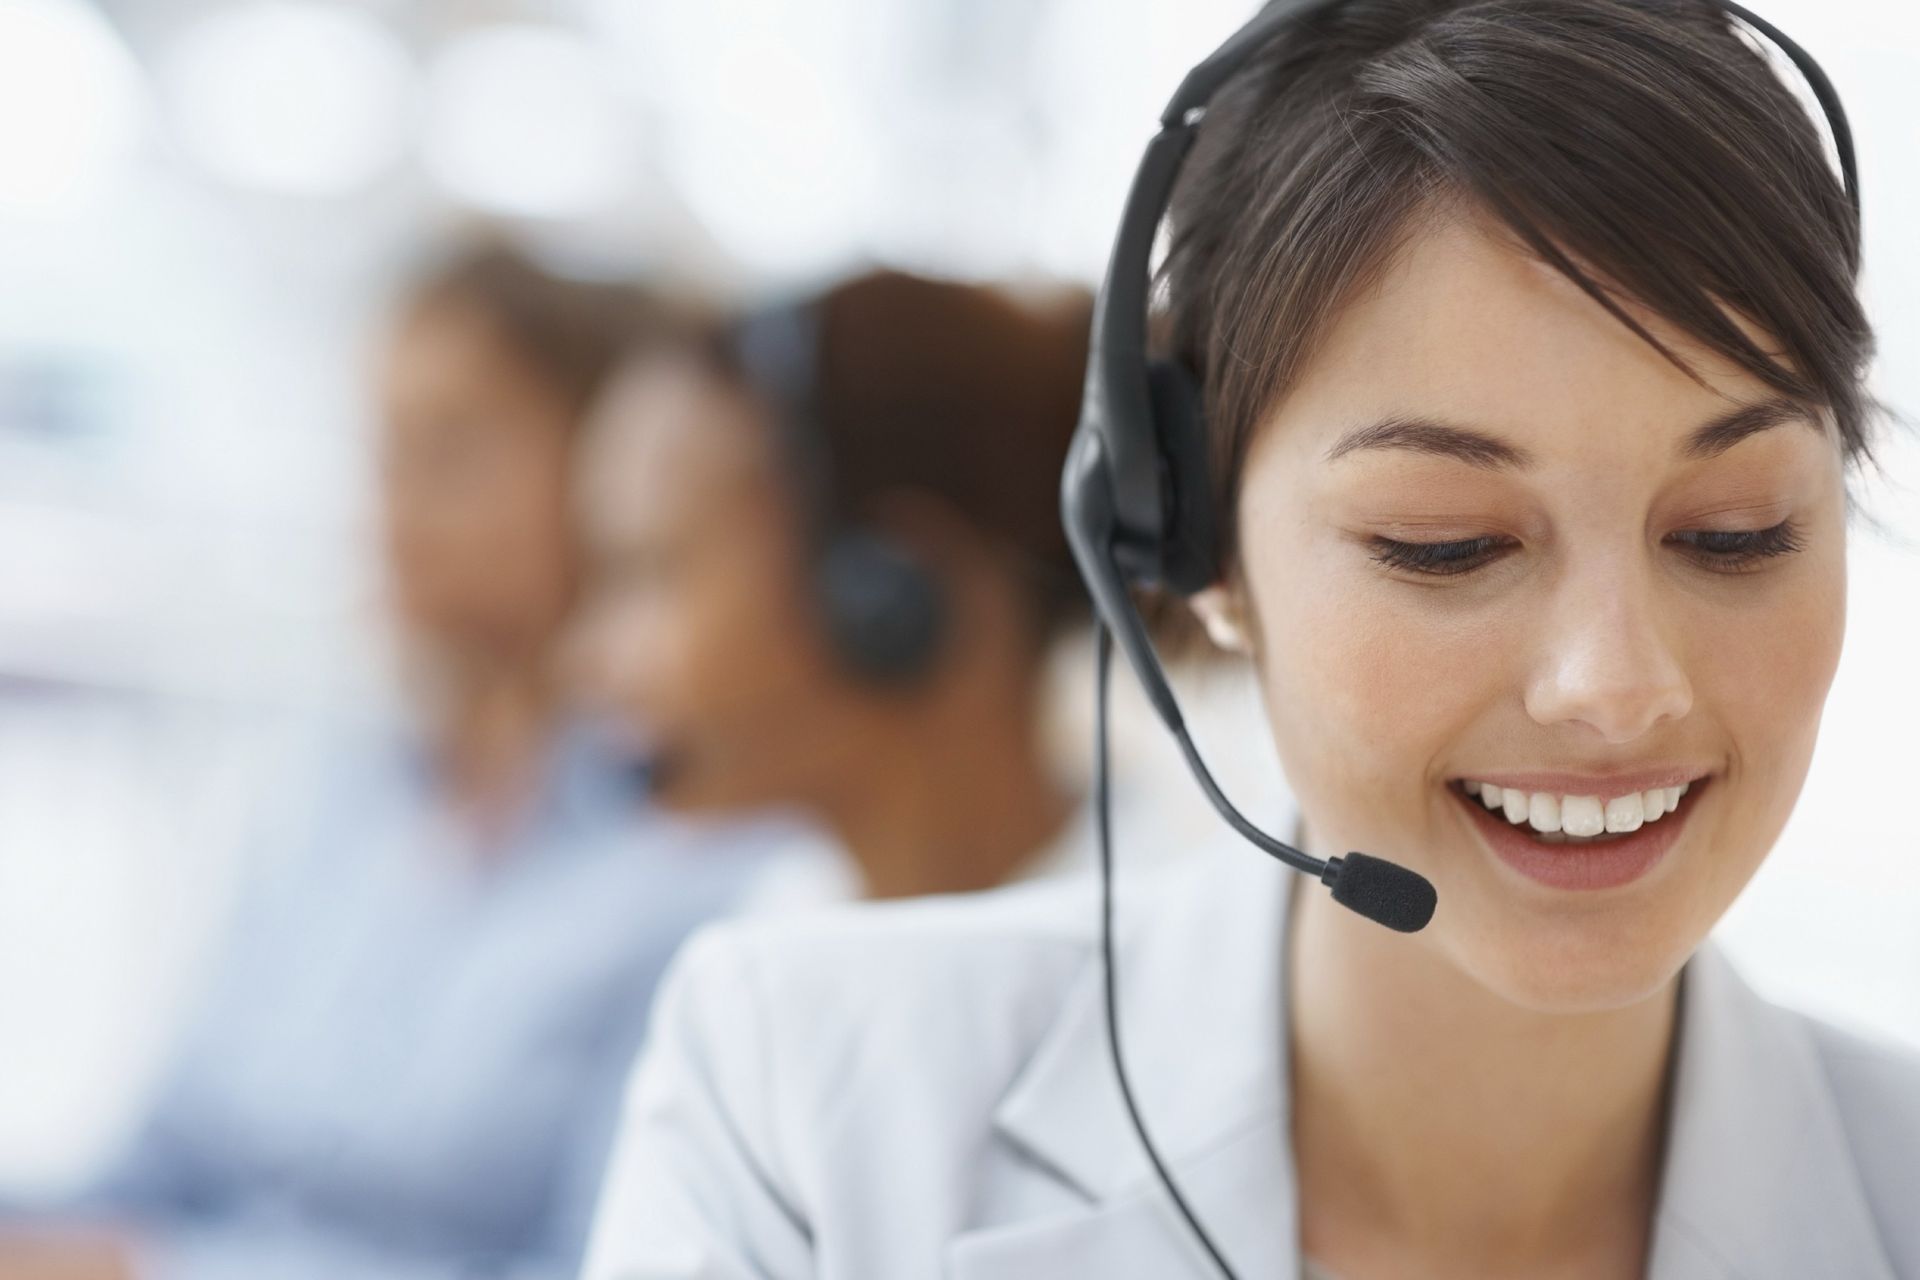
column 1221, row 612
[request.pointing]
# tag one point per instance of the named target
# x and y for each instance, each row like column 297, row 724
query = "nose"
column 1606, row 661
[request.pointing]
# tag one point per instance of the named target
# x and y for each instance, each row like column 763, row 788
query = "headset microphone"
column 649, row 774
column 1137, row 508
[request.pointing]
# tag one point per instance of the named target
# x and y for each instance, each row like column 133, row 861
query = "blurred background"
column 203, row 207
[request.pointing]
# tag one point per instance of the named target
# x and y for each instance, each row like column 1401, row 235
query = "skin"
column 476, row 455
column 1542, row 1019
column 700, row 633
column 474, row 485
column 476, row 449
column 63, row 1256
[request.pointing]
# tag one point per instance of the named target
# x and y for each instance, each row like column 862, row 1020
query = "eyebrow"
column 1730, row 428
column 1480, row 449
column 1429, row 435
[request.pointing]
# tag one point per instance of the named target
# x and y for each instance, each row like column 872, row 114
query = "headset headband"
column 883, row 610
column 777, row 352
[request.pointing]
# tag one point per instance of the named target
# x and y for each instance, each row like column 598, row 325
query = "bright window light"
column 293, row 96
column 775, row 128
column 522, row 120
column 69, row 105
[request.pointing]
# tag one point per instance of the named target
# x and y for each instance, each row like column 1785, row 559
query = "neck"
column 491, row 723
column 959, row 798
column 1441, row 1129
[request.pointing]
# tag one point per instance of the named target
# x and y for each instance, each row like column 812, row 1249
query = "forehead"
column 669, row 443
column 443, row 342
column 1466, row 322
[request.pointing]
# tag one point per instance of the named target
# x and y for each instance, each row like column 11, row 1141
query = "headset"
column 1137, row 509
column 882, row 608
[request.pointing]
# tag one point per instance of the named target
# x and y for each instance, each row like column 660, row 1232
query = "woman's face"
column 696, row 630
column 1627, row 604
column 474, row 455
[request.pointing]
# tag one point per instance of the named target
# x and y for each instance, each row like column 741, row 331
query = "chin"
column 696, row 798
column 1556, row 963
column 1556, row 944
column 702, row 788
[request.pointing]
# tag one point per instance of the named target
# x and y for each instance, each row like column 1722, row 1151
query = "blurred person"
column 407, row 1062
column 1513, row 372
column 828, row 569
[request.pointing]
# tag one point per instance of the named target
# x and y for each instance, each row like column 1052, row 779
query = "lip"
column 1606, row 786
column 1606, row 865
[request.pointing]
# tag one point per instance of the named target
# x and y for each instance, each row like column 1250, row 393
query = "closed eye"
column 1720, row 551
column 1736, row 551
column 1437, row 559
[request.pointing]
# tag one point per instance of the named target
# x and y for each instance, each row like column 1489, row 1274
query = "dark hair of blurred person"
column 935, row 420
column 409, row 1058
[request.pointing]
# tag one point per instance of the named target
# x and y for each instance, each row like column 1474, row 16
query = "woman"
column 409, row 1059
column 829, row 570
column 1531, row 367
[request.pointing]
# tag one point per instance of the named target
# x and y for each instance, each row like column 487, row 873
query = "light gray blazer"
column 923, row 1090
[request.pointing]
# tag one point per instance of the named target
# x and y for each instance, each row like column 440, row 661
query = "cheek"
column 730, row 650
column 1365, row 686
column 1765, row 675
column 527, row 514
column 502, row 521
column 746, row 641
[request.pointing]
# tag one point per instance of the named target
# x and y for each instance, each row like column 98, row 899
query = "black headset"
column 882, row 608
column 1135, row 501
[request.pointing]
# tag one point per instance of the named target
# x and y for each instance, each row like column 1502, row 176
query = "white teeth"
column 1578, row 817
column 1543, row 812
column 1625, row 813
column 1581, row 816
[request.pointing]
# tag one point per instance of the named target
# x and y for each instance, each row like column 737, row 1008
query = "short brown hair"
column 1646, row 138
column 964, row 392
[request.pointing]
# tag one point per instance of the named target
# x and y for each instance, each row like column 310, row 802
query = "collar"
column 1215, row 1102
column 1073, row 848
column 1758, row 1179
column 584, row 782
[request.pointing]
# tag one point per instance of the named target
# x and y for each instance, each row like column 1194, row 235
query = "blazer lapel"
column 1759, row 1182
column 1208, row 1068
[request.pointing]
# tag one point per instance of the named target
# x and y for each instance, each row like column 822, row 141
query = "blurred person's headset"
column 1138, row 510
column 882, row 607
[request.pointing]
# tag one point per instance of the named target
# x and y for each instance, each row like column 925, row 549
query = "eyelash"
column 1721, row 551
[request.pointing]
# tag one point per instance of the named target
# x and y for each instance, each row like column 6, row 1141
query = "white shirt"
column 923, row 1090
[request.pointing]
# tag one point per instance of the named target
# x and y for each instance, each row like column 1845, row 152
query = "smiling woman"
column 1531, row 369
column 1613, row 583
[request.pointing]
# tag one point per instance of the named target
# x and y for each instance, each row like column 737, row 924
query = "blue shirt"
column 409, row 1063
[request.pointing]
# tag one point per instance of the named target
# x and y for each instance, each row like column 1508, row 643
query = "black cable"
column 1103, row 812
column 1278, row 849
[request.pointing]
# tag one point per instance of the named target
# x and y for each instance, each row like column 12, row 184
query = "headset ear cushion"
column 1190, row 541
column 885, row 611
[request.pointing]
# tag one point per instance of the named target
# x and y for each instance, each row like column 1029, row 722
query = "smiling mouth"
column 1571, row 819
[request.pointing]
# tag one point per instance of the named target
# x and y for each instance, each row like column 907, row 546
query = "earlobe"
column 1219, row 611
